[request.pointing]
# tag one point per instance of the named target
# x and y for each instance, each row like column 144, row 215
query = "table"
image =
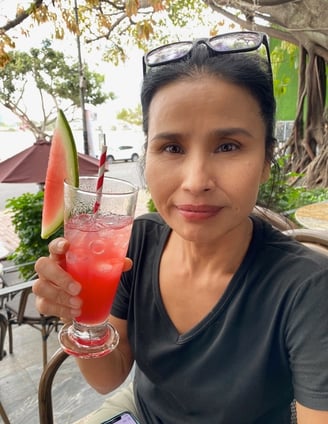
column 314, row 216
column 6, row 291
column 11, row 281
column 4, row 252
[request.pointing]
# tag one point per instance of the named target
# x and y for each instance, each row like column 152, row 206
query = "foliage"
column 130, row 116
column 283, row 53
column 179, row 11
column 52, row 76
column 279, row 193
column 150, row 205
column 26, row 218
column 117, row 24
column 58, row 75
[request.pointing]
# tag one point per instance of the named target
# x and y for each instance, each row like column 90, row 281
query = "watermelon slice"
column 62, row 165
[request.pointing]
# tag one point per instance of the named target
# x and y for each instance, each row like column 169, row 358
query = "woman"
column 224, row 316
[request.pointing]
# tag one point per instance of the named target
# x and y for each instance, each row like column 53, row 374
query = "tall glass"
column 98, row 238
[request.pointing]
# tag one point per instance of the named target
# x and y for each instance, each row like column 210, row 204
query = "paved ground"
column 20, row 374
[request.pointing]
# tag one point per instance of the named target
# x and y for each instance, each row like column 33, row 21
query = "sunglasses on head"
column 234, row 42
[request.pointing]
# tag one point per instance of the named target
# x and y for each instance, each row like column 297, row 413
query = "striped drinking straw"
column 100, row 181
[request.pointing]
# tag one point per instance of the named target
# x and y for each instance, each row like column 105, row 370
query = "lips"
column 198, row 212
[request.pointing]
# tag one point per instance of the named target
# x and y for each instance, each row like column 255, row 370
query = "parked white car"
column 124, row 145
column 123, row 152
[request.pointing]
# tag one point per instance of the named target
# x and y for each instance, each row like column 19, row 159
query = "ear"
column 266, row 172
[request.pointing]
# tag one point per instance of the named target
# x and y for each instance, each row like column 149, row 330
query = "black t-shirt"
column 263, row 344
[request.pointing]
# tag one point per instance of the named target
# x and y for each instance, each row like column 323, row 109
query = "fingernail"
column 74, row 289
column 60, row 244
column 75, row 312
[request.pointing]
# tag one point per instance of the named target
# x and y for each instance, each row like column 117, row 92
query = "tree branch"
column 22, row 16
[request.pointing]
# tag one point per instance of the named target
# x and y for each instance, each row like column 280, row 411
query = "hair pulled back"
column 247, row 70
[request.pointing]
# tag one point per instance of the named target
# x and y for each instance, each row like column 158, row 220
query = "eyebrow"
column 165, row 135
column 231, row 131
column 218, row 132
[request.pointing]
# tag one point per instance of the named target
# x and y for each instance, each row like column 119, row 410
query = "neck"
column 226, row 254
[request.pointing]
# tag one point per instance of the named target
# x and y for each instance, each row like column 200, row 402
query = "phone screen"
column 123, row 418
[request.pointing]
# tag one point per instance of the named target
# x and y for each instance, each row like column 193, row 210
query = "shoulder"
column 283, row 253
column 151, row 218
column 147, row 230
column 149, row 222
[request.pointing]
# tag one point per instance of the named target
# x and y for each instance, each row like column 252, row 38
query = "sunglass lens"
column 168, row 53
column 236, row 41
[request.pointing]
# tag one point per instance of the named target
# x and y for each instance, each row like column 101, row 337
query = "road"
column 129, row 171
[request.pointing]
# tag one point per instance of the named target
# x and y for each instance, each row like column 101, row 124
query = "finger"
column 47, row 308
column 128, row 263
column 58, row 248
column 54, row 300
column 51, row 273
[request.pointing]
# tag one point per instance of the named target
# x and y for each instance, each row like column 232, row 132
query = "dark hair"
column 248, row 70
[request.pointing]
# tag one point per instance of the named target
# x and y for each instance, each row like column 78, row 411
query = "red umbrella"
column 30, row 165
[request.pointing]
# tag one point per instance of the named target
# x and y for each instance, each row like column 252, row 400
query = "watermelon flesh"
column 62, row 165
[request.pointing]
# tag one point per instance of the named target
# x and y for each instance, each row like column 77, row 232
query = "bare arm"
column 310, row 416
column 57, row 294
column 107, row 373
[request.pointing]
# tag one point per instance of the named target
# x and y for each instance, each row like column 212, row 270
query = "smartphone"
column 122, row 418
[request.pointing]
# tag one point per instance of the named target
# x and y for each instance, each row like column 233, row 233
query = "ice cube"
column 97, row 247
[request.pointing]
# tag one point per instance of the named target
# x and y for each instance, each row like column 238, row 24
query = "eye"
column 173, row 148
column 227, row 147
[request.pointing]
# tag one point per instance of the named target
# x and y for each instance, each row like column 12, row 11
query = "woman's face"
column 206, row 156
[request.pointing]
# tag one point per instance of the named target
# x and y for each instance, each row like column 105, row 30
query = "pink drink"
column 98, row 246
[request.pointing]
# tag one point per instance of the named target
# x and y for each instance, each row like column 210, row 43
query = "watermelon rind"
column 62, row 166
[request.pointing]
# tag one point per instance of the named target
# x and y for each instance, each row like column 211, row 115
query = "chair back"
column 45, row 387
column 277, row 220
column 21, row 302
column 315, row 239
column 21, row 310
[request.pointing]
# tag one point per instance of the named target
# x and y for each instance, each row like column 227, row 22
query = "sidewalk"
column 8, row 238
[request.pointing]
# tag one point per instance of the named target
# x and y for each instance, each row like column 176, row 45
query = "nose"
column 198, row 175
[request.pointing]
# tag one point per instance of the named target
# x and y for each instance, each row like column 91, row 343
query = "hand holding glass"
column 98, row 245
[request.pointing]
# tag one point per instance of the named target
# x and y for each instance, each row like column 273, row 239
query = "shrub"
column 26, row 218
column 279, row 194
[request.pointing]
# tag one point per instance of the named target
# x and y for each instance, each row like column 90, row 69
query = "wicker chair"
column 3, row 415
column 3, row 331
column 277, row 220
column 20, row 307
column 315, row 239
column 21, row 310
column 45, row 387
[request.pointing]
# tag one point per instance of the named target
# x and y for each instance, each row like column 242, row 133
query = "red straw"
column 100, row 182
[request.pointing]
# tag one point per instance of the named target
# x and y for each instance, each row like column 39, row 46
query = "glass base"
column 88, row 342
